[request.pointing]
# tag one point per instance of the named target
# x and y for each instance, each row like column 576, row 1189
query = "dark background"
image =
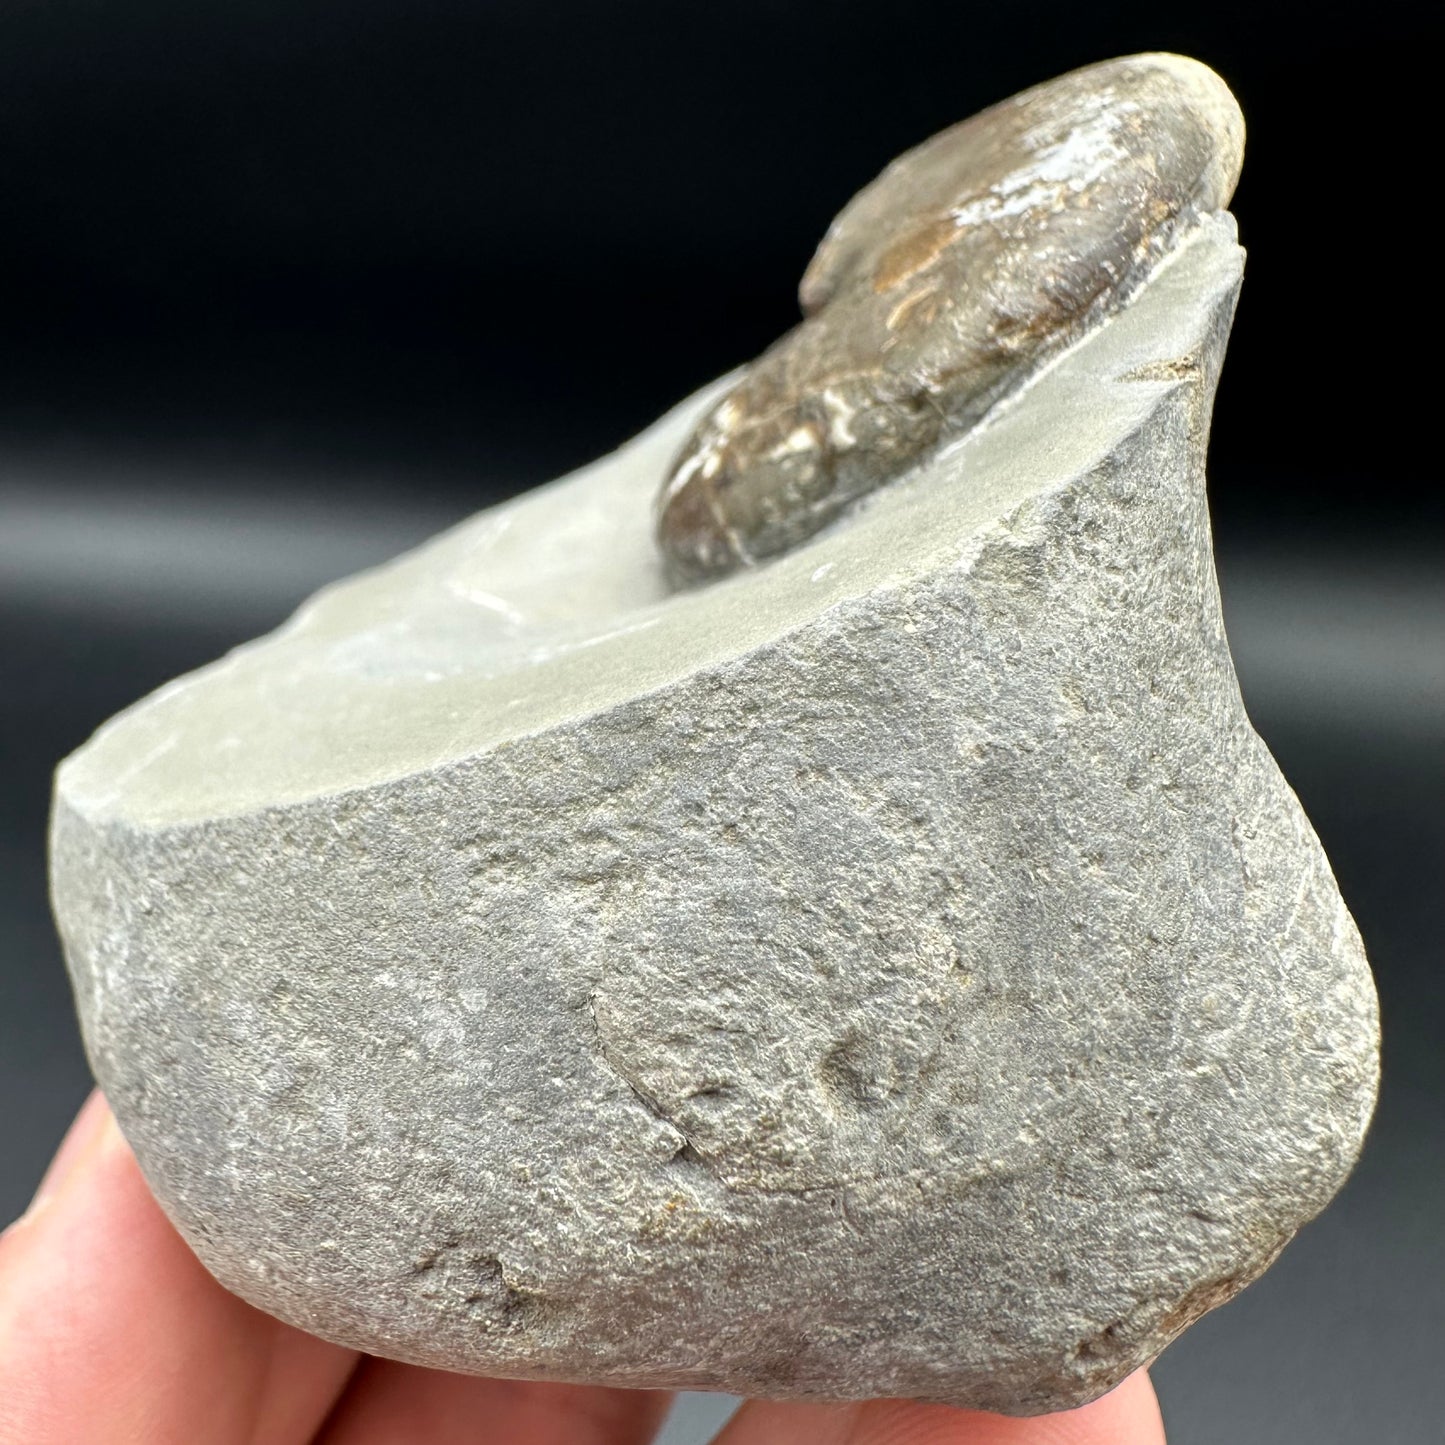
column 285, row 286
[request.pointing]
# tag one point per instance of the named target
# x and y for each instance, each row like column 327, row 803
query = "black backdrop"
column 436, row 236
column 287, row 284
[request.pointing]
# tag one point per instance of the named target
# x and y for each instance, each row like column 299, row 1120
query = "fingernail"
column 80, row 1139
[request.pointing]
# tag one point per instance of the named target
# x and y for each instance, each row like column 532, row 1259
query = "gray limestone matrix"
column 897, row 968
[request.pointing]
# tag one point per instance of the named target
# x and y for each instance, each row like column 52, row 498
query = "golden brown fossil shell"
column 942, row 285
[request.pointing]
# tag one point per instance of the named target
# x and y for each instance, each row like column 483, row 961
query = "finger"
column 112, row 1333
column 73, row 1147
column 392, row 1404
column 1128, row 1415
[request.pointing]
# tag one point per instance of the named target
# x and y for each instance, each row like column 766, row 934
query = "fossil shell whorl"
column 968, row 262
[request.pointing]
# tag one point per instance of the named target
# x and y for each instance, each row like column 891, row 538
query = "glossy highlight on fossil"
column 943, row 285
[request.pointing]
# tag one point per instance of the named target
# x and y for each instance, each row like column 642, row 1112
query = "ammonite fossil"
column 970, row 261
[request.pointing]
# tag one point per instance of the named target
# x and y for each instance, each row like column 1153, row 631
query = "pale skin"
column 112, row 1333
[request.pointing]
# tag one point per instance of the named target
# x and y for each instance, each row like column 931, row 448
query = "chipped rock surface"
column 897, row 970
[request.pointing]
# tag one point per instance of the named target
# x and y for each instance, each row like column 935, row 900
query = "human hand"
column 112, row 1333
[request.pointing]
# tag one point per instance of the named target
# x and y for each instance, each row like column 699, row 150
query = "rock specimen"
column 896, row 970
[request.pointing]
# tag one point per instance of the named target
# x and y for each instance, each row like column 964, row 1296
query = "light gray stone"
column 897, row 970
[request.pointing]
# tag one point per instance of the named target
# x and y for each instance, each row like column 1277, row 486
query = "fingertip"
column 80, row 1137
column 1127, row 1415
column 111, row 1329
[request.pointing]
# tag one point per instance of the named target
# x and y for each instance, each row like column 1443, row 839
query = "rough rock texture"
column 899, row 970
column 944, row 284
